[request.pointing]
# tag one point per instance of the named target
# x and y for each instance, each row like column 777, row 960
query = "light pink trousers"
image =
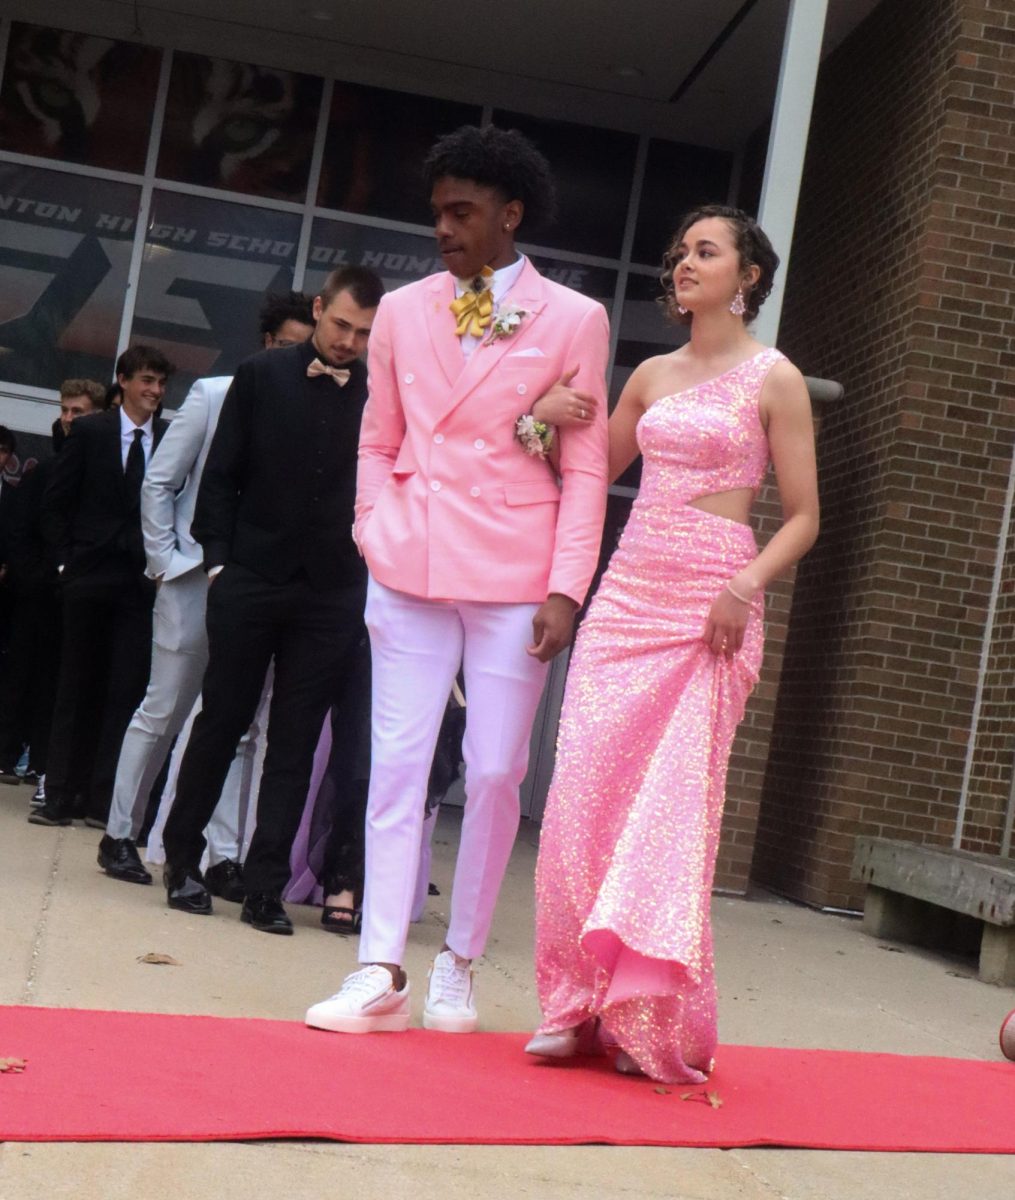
column 417, row 647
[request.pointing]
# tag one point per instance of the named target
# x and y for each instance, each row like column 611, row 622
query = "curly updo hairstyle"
column 752, row 245
column 503, row 159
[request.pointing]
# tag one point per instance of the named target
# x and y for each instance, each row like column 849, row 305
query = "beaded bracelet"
column 736, row 595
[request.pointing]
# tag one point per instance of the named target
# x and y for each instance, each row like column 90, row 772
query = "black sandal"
column 349, row 919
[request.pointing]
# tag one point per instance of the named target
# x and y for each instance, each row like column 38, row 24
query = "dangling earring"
column 681, row 310
column 737, row 305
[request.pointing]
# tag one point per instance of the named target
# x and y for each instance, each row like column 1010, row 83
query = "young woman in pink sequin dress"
column 665, row 660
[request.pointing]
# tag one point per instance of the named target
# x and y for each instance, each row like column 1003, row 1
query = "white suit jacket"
column 169, row 491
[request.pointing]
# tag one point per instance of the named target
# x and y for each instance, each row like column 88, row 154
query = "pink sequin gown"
column 629, row 838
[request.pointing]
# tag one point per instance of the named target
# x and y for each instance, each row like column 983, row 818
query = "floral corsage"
column 506, row 321
column 536, row 437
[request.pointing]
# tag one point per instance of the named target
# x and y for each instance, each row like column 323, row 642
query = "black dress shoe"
column 9, row 775
column 185, row 890
column 225, row 879
column 119, row 858
column 264, row 911
column 51, row 813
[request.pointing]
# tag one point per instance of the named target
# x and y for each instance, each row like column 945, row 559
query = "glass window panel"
column 32, row 448
column 397, row 257
column 677, row 177
column 208, row 265
column 376, row 144
column 592, row 169
column 600, row 283
column 238, row 127
column 79, row 98
column 65, row 247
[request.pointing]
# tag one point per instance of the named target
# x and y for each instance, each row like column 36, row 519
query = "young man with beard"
column 274, row 518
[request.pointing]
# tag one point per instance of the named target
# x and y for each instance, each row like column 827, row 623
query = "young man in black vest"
column 274, row 518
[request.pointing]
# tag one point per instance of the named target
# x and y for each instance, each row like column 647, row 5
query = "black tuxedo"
column 28, row 688
column 91, row 518
column 8, row 510
column 8, row 513
column 276, row 488
column 275, row 509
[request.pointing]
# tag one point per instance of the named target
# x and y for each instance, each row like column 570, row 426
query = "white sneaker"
column 367, row 1002
column 449, row 1003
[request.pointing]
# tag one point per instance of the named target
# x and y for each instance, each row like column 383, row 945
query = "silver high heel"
column 585, row 1038
column 626, row 1065
column 554, row 1045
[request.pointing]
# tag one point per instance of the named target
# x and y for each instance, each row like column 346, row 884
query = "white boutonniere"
column 506, row 321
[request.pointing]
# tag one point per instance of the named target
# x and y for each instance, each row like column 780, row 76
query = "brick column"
column 901, row 288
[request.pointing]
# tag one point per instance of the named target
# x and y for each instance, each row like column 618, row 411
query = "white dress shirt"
column 502, row 282
column 127, row 428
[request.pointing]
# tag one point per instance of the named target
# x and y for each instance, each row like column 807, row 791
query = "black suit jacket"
column 279, row 484
column 88, row 515
column 8, row 515
column 31, row 562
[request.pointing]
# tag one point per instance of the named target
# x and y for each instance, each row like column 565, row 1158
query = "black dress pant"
column 28, row 689
column 310, row 634
column 104, row 664
column 336, row 844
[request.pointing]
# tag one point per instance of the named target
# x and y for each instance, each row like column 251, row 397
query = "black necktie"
column 134, row 470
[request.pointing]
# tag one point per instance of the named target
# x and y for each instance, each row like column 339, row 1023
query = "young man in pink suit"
column 477, row 555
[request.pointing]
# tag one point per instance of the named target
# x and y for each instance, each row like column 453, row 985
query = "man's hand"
column 552, row 626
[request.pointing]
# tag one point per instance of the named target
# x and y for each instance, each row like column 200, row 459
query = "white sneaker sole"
column 343, row 1023
column 445, row 1024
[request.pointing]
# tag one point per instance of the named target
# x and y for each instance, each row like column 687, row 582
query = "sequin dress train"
column 629, row 838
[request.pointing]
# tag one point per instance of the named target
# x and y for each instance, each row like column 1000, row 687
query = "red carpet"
column 111, row 1076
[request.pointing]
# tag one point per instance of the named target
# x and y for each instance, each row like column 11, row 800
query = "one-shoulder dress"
column 631, row 829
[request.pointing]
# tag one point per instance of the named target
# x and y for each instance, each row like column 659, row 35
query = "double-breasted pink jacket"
column 449, row 506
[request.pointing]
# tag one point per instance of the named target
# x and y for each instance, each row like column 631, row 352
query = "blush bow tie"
column 339, row 374
column 473, row 310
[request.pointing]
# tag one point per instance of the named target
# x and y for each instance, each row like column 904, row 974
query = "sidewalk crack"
column 42, row 925
column 744, row 1165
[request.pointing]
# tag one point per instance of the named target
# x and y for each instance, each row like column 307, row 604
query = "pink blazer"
column 448, row 504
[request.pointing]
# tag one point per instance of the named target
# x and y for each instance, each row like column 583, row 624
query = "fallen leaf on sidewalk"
column 12, row 1066
column 712, row 1098
column 162, row 960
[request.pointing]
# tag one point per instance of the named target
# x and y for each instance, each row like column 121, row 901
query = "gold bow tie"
column 339, row 374
column 473, row 310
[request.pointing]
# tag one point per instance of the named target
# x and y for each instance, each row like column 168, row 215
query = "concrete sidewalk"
column 788, row 977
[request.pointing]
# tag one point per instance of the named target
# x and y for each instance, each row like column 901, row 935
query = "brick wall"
column 900, row 287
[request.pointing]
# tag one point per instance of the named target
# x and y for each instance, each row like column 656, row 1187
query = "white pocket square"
column 530, row 352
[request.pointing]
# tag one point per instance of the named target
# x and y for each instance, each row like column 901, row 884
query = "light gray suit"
column 180, row 642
